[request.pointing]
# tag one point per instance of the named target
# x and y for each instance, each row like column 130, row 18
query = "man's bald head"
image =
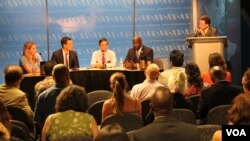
column 162, row 101
column 137, row 42
column 217, row 74
column 152, row 72
column 60, row 73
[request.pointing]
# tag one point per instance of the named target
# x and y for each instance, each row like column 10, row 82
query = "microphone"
column 42, row 59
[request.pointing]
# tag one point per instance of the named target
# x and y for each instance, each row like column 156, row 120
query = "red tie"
column 103, row 59
column 66, row 60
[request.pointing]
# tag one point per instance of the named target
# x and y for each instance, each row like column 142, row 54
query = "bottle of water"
column 121, row 63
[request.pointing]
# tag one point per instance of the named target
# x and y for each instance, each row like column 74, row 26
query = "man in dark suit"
column 165, row 126
column 205, row 30
column 66, row 55
column 220, row 93
column 139, row 51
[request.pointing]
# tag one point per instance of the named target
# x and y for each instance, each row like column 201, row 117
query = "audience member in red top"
column 195, row 82
column 215, row 59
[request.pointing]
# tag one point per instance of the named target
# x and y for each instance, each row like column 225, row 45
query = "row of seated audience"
column 175, row 79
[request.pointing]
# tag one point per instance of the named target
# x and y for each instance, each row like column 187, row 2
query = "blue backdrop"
column 163, row 26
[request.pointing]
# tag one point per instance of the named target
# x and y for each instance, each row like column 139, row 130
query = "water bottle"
column 121, row 63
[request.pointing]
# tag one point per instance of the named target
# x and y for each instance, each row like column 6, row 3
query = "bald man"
column 220, row 93
column 139, row 51
column 165, row 126
column 145, row 89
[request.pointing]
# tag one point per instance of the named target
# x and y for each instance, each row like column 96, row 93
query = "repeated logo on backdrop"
column 163, row 25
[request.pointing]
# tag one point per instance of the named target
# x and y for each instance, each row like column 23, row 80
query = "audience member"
column 112, row 132
column 66, row 55
column 48, row 81
column 138, row 52
column 246, row 81
column 220, row 93
column 12, row 96
column 45, row 103
column 238, row 114
column 71, row 118
column 30, row 60
column 120, row 102
column 205, row 29
column 215, row 59
column 165, row 126
column 176, row 59
column 103, row 57
column 4, row 122
column 195, row 82
column 145, row 89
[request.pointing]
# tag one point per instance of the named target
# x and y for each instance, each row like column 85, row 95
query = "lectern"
column 201, row 47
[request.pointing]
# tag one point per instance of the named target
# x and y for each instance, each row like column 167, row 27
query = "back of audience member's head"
column 216, row 59
column 48, row 67
column 60, row 73
column 112, row 132
column 239, row 113
column 161, row 101
column 118, row 85
column 193, row 74
column 72, row 98
column 4, row 115
column 152, row 71
column 246, row 81
column 217, row 74
column 13, row 74
column 177, row 58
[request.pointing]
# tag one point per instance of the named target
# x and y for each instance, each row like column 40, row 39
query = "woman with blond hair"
column 120, row 102
column 30, row 60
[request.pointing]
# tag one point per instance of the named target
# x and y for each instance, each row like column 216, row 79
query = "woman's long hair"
column 239, row 113
column 118, row 84
column 26, row 47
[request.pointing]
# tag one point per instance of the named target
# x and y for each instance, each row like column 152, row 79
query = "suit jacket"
column 73, row 58
column 210, row 32
column 220, row 93
column 165, row 128
column 146, row 52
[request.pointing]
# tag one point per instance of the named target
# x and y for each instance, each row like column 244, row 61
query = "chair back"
column 19, row 130
column 145, row 108
column 217, row 115
column 195, row 100
column 207, row 131
column 128, row 121
column 20, row 115
column 185, row 115
column 96, row 110
column 98, row 95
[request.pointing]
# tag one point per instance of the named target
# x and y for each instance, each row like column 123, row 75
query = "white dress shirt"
column 110, row 58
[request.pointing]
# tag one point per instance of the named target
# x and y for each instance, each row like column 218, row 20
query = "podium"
column 201, row 47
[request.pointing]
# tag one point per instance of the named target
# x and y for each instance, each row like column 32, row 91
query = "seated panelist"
column 103, row 58
column 138, row 52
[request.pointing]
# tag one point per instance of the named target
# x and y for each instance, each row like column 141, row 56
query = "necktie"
column 137, row 54
column 103, row 59
column 66, row 60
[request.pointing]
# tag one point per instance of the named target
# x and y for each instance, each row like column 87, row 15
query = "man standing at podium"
column 205, row 30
